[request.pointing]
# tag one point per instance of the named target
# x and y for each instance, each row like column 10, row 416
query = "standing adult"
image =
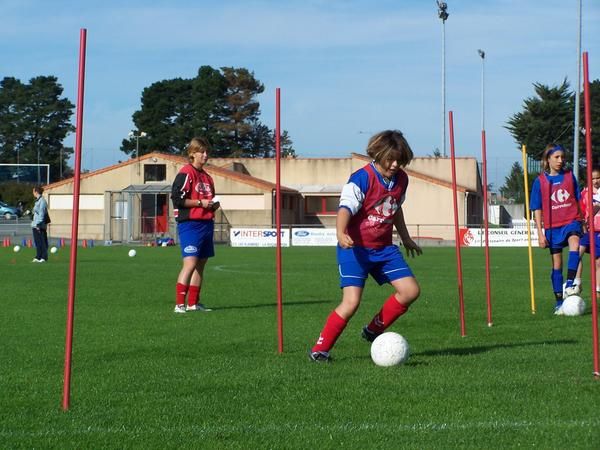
column 39, row 225
column 194, row 205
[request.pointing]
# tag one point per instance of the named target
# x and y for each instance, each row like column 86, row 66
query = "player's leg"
column 183, row 282
column 395, row 271
column 572, row 264
column 206, row 249
column 556, row 277
column 196, row 287
column 353, row 274
column 188, row 241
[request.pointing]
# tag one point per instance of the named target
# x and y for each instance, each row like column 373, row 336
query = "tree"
column 218, row 104
column 240, row 110
column 548, row 118
column 545, row 119
column 34, row 121
column 513, row 184
column 595, row 116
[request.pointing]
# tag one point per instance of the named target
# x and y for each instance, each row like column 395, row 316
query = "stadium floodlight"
column 140, row 134
column 137, row 137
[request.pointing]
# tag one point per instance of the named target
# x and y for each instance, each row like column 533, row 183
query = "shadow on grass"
column 462, row 351
column 272, row 304
column 466, row 351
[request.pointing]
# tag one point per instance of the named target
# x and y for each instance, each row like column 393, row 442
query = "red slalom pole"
column 588, row 153
column 278, row 216
column 461, row 301
column 74, row 222
column 488, row 284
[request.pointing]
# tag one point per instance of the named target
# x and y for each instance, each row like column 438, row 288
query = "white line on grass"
column 229, row 269
column 311, row 427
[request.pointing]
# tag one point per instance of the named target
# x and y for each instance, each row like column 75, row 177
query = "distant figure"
column 192, row 194
column 555, row 204
column 370, row 207
column 584, row 242
column 20, row 206
column 39, row 225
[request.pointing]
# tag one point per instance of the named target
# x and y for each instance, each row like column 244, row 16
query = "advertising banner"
column 314, row 237
column 497, row 237
column 258, row 237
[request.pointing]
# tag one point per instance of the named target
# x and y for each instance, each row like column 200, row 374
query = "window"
column 155, row 172
column 321, row 205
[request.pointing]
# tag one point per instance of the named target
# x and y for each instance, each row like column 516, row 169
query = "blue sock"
column 557, row 280
column 572, row 264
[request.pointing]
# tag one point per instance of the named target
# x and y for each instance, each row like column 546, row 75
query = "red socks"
column 390, row 311
column 193, row 295
column 331, row 331
column 180, row 292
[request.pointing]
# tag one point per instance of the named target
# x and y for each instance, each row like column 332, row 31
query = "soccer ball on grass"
column 573, row 306
column 389, row 349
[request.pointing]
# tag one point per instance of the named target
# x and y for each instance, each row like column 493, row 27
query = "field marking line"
column 306, row 427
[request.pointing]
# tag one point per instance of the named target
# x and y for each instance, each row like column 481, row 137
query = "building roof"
column 212, row 170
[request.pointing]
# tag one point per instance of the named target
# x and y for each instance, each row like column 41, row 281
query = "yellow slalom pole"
column 528, row 220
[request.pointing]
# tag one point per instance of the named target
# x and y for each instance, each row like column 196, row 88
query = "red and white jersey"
column 195, row 184
column 586, row 211
column 373, row 202
column 559, row 201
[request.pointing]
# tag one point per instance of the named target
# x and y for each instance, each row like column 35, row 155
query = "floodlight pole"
column 137, row 137
column 576, row 128
column 485, row 193
column 443, row 14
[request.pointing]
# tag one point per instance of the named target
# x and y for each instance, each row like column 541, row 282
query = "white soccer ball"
column 132, row 253
column 389, row 349
column 16, row 248
column 573, row 306
column 53, row 250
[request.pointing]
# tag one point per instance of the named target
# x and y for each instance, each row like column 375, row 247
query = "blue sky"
column 346, row 69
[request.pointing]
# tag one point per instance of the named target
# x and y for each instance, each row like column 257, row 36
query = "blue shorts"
column 196, row 238
column 585, row 242
column 385, row 265
column 558, row 238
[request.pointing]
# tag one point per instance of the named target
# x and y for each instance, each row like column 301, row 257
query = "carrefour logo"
column 560, row 196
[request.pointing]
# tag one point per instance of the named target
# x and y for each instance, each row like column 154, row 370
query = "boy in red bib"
column 370, row 207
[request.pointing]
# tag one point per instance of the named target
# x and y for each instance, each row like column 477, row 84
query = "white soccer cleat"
column 179, row 309
column 573, row 290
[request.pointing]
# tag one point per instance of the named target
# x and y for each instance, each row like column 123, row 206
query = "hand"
column 411, row 248
column 345, row 241
column 543, row 243
column 214, row 205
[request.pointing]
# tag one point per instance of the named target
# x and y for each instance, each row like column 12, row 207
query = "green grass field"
column 144, row 377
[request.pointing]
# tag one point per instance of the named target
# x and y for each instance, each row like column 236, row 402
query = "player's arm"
column 537, row 216
column 180, row 194
column 411, row 246
column 341, row 225
column 351, row 200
